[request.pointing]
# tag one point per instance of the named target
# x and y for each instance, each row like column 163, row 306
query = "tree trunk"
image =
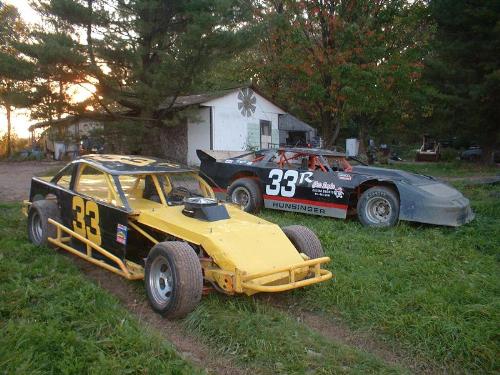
column 363, row 136
column 488, row 153
column 60, row 100
column 330, row 128
column 336, row 131
column 9, row 131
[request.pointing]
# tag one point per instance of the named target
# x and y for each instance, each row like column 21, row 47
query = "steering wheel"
column 177, row 195
column 181, row 190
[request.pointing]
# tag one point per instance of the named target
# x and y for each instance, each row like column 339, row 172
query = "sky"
column 20, row 118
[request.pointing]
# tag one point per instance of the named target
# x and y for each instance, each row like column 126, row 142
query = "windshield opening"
column 339, row 164
column 166, row 189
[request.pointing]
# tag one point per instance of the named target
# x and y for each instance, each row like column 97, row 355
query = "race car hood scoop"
column 206, row 209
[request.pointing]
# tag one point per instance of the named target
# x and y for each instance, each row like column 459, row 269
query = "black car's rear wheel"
column 39, row 229
column 246, row 193
column 378, row 207
column 173, row 279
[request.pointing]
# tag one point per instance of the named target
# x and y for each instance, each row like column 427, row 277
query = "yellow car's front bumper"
column 295, row 276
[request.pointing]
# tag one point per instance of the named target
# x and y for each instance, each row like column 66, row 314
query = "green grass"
column 451, row 169
column 55, row 321
column 432, row 291
column 435, row 291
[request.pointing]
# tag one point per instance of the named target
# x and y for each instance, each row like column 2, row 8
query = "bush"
column 448, row 154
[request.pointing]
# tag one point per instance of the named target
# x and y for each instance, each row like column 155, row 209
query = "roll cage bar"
column 115, row 187
column 314, row 162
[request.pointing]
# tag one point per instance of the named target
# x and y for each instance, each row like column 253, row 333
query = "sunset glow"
column 21, row 118
column 80, row 92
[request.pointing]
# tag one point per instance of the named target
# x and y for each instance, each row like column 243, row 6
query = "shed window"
column 265, row 128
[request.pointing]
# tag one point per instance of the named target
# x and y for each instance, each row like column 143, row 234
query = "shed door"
column 199, row 135
column 265, row 134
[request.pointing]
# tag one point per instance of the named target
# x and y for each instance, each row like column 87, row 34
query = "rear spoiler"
column 220, row 155
column 204, row 156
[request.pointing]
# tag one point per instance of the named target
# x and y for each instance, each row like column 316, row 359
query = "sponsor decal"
column 327, row 189
column 345, row 176
column 306, row 206
column 338, row 192
column 323, row 185
column 121, row 234
column 238, row 161
column 297, row 207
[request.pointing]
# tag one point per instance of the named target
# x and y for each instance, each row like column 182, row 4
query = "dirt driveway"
column 15, row 177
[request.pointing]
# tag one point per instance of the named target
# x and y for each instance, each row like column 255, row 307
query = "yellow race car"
column 146, row 218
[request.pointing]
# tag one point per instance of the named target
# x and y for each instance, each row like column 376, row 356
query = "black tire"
column 304, row 240
column 378, row 207
column 39, row 228
column 173, row 279
column 246, row 192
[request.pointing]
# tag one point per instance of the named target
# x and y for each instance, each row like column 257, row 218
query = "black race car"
column 323, row 182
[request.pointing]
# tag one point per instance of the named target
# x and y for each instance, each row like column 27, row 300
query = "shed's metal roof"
column 291, row 123
column 188, row 100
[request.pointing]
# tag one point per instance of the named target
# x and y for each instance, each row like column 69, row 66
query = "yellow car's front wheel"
column 173, row 278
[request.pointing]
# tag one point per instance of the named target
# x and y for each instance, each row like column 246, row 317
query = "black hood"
column 394, row 175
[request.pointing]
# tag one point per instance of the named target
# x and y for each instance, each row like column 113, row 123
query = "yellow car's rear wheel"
column 39, row 228
column 173, row 279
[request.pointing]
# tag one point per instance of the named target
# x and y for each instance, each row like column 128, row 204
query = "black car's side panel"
column 288, row 189
column 102, row 224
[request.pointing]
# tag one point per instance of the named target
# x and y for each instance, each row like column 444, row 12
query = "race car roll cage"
column 116, row 191
column 314, row 161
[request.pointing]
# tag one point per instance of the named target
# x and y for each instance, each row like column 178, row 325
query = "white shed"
column 231, row 120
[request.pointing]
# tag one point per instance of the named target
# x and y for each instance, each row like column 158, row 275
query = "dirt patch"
column 15, row 178
column 195, row 351
column 336, row 330
column 190, row 348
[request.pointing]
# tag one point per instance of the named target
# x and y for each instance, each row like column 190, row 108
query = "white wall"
column 198, row 133
column 232, row 130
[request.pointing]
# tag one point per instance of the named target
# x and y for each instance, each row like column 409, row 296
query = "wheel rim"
column 378, row 210
column 241, row 196
column 160, row 281
column 36, row 227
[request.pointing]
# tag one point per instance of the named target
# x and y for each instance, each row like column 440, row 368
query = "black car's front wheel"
column 246, row 193
column 173, row 278
column 378, row 207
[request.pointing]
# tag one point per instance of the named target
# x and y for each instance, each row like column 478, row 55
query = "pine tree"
column 464, row 70
column 142, row 53
column 15, row 71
